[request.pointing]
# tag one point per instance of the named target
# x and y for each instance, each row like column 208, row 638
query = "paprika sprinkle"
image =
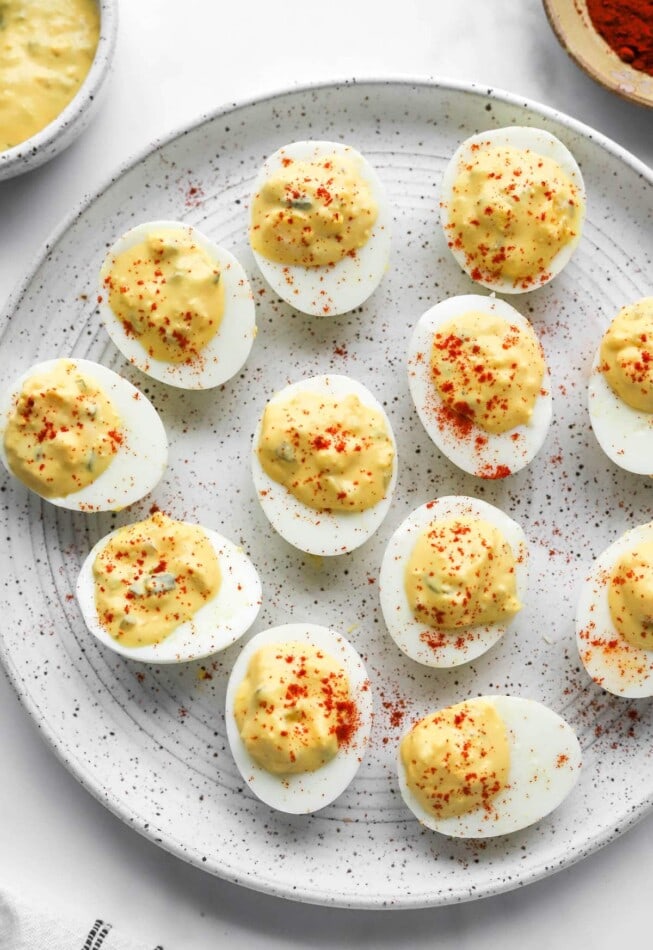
column 151, row 576
column 167, row 293
column 512, row 207
column 313, row 213
column 331, row 453
column 63, row 431
column 487, row 370
column 458, row 759
column 626, row 355
column 452, row 580
column 294, row 708
column 461, row 573
column 614, row 616
column 478, row 377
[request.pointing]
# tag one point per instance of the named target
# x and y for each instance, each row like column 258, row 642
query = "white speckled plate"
column 150, row 742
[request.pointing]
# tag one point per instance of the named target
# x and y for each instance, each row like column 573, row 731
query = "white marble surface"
column 175, row 62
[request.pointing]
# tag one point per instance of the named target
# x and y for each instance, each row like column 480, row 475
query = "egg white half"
column 625, row 434
column 215, row 626
column 330, row 290
column 429, row 645
column 478, row 452
column 612, row 662
column 324, row 533
column 141, row 458
column 545, row 763
column 518, row 137
column 305, row 792
column 224, row 355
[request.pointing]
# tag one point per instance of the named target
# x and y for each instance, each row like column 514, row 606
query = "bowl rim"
column 634, row 90
column 85, row 95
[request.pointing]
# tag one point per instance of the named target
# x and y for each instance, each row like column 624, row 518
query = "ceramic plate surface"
column 150, row 741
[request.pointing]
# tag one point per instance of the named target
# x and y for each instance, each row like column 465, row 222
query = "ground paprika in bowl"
column 612, row 40
column 627, row 28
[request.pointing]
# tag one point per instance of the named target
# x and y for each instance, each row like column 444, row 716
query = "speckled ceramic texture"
column 62, row 131
column 150, row 742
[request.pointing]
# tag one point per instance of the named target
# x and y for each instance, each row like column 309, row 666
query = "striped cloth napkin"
column 24, row 926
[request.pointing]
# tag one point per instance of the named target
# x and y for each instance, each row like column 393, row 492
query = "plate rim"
column 256, row 880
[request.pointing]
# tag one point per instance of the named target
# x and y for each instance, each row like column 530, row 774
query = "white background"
column 175, row 61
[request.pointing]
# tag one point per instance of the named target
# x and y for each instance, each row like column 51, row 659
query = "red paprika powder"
column 627, row 27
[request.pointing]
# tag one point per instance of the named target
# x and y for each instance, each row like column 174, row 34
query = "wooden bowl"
column 577, row 35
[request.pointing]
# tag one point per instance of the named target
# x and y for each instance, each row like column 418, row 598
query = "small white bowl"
column 62, row 131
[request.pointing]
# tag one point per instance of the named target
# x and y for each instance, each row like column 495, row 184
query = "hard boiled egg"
column 304, row 792
column 141, row 446
column 214, row 627
column 544, row 766
column 614, row 663
column 625, row 433
column 504, row 209
column 225, row 353
column 317, row 532
column 423, row 643
column 470, row 447
column 346, row 283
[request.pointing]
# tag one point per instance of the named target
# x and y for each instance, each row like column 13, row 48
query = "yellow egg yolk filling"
column 488, row 370
column 62, row 433
column 457, row 760
column 511, row 212
column 46, row 51
column 626, row 357
column 461, row 573
column 151, row 577
column 330, row 453
column 313, row 213
column 630, row 596
column 293, row 709
column 168, row 294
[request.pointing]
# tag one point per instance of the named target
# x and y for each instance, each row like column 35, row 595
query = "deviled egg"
column 178, row 306
column 512, row 205
column 620, row 393
column 298, row 716
column 614, row 621
column 324, row 462
column 320, row 226
column 166, row 591
column 453, row 578
column 81, row 436
column 487, row 766
column 480, row 384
